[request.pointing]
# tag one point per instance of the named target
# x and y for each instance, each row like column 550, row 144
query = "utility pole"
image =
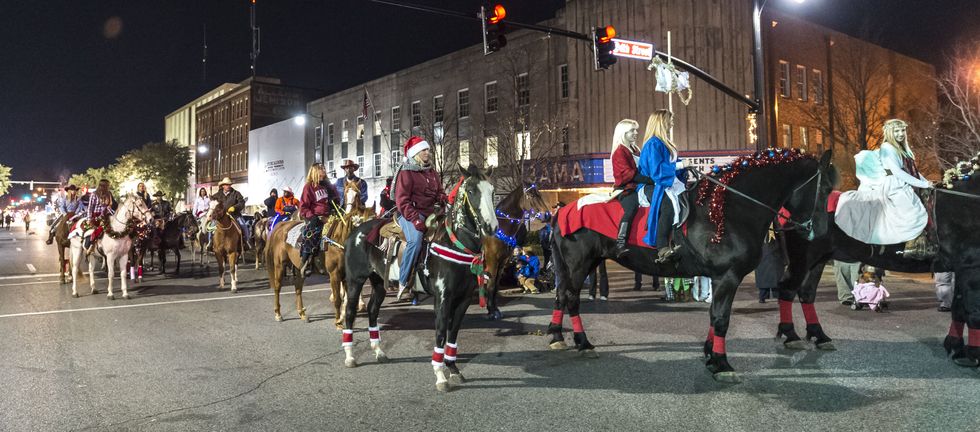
column 256, row 39
column 204, row 57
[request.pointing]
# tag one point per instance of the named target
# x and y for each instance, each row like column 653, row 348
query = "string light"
column 508, row 240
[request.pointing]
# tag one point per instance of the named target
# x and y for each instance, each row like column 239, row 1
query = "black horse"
column 447, row 270
column 957, row 233
column 723, row 239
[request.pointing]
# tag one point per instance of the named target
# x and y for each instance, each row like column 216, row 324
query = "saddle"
column 926, row 245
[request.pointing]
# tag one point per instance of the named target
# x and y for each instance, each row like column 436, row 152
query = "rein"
column 957, row 193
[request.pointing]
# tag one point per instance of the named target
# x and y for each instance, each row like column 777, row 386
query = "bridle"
column 457, row 220
column 133, row 208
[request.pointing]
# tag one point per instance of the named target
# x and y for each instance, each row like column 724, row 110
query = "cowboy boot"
column 920, row 248
column 624, row 231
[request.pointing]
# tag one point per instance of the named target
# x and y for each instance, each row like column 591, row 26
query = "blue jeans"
column 414, row 238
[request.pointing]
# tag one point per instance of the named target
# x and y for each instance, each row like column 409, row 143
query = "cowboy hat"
column 287, row 189
column 225, row 181
column 158, row 194
column 349, row 163
column 71, row 188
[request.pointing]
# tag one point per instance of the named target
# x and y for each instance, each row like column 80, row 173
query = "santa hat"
column 414, row 145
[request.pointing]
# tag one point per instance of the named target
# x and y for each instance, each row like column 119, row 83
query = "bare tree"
column 438, row 125
column 958, row 120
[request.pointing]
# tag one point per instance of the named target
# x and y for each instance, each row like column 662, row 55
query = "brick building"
column 181, row 125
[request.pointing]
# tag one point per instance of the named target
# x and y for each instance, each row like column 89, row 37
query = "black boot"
column 306, row 267
column 624, row 231
column 921, row 247
column 665, row 226
column 50, row 239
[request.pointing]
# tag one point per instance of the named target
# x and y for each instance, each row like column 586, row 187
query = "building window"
column 331, row 169
column 492, row 151
column 463, row 102
column 377, row 165
column 523, row 90
column 396, row 159
column 818, row 139
column 360, row 166
column 787, row 136
column 818, row 86
column 804, row 139
column 376, row 125
column 464, row 153
column 801, row 82
column 784, row 79
column 523, row 142
column 360, row 127
column 563, row 80
column 396, row 119
column 438, row 109
column 438, row 133
column 490, row 90
column 416, row 113
column 564, row 141
column 318, row 144
column 344, row 134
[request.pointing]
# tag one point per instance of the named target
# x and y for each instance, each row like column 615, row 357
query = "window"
column 360, row 166
column 784, row 79
column 416, row 113
column 523, row 90
column 396, row 119
column 396, row 160
column 360, row 128
column 377, row 164
column 464, row 153
column 330, row 138
column 438, row 133
column 376, row 125
column 818, row 139
column 563, row 80
column 438, row 109
column 463, row 102
column 318, row 144
column 801, row 83
column 523, row 142
column 490, row 90
column 804, row 140
column 818, row 86
column 331, row 169
column 787, row 136
column 492, row 151
column 344, row 136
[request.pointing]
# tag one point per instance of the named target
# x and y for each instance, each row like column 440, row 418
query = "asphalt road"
column 182, row 356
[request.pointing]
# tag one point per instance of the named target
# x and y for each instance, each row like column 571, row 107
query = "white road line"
column 230, row 297
column 29, row 276
column 31, row 268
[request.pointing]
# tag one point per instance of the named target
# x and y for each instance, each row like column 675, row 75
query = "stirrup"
column 920, row 248
column 667, row 254
column 621, row 250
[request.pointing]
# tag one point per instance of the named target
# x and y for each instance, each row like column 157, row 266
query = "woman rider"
column 100, row 204
column 625, row 155
column 202, row 203
column 317, row 202
column 417, row 192
column 660, row 162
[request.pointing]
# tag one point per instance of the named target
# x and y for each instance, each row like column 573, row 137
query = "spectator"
column 528, row 268
column 544, row 236
column 771, row 266
column 945, row 281
column 638, row 282
column 387, row 203
column 598, row 277
column 846, row 275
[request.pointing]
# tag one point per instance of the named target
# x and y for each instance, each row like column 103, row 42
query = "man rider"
column 233, row 202
column 68, row 206
column 351, row 169
column 162, row 209
column 286, row 205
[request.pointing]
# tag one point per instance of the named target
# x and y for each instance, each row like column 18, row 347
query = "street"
column 183, row 356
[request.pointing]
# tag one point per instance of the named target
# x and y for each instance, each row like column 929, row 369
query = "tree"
column 958, row 118
column 4, row 179
column 165, row 164
column 90, row 178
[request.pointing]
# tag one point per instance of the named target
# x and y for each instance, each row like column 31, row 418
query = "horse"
column 721, row 238
column 114, row 244
column 957, row 236
column 447, row 270
column 61, row 242
column 260, row 236
column 199, row 240
column 514, row 213
column 227, row 244
column 171, row 238
column 280, row 254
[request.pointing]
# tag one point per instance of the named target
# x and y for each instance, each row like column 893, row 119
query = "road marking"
column 29, row 276
column 31, row 268
column 236, row 296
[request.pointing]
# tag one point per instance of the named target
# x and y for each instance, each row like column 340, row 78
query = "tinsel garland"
column 128, row 231
column 725, row 174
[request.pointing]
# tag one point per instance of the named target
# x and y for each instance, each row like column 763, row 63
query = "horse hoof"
column 456, row 379
column 351, row 363
column 234, row 290
column 339, row 326
column 95, row 291
column 966, row 362
column 126, row 296
column 443, row 386
column 74, row 295
column 278, row 317
column 331, row 298
column 558, row 346
column 797, row 345
column 826, row 346
column 727, row 377
column 590, row 353
column 110, row 296
column 381, row 358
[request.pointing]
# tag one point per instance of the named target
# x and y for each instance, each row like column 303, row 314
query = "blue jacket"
column 360, row 183
column 532, row 266
column 655, row 163
column 545, row 237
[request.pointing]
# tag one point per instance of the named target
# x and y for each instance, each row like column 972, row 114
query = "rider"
column 68, row 206
column 351, row 169
column 417, row 191
column 625, row 155
column 234, row 202
column 270, row 203
column 100, row 205
column 385, row 200
column 202, row 203
column 162, row 209
column 286, row 205
column 142, row 193
column 318, row 201
column 659, row 161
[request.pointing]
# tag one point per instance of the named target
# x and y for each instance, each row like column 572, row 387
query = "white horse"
column 116, row 250
column 200, row 241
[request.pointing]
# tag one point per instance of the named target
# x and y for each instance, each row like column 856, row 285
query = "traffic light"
column 493, row 27
column 603, row 46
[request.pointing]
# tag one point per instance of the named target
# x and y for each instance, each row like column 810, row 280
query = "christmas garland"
column 725, row 174
column 963, row 171
column 127, row 232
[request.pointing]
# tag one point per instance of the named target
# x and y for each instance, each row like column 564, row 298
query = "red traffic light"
column 610, row 32
column 498, row 15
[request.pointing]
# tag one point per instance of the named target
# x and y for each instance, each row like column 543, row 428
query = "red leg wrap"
column 375, row 334
column 718, row 347
column 810, row 314
column 348, row 338
column 556, row 316
column 438, row 355
column 785, row 312
column 956, row 329
column 974, row 340
column 577, row 324
column 451, row 352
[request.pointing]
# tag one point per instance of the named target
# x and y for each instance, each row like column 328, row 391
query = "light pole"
column 759, row 73
column 300, row 120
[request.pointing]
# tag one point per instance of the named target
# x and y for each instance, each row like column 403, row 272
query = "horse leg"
column 493, row 312
column 76, row 258
column 452, row 349
column 298, row 284
column 814, row 331
column 110, row 273
column 966, row 310
column 177, row 254
column 443, row 318
column 91, row 273
column 572, row 302
column 802, row 283
column 354, row 285
column 337, row 297
column 374, row 309
column 220, row 258
column 233, row 268
column 954, row 344
column 123, row 261
column 721, row 309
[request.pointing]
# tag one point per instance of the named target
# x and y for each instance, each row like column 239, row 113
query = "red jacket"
column 416, row 194
column 624, row 168
column 316, row 200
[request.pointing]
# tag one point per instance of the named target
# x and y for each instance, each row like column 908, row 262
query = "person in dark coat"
column 270, row 203
column 317, row 202
column 234, row 203
column 772, row 265
column 350, row 168
column 386, row 201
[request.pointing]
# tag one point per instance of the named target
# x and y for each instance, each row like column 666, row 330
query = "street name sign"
column 633, row 49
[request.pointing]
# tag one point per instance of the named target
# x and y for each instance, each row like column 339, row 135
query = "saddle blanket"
column 295, row 234
column 79, row 229
column 603, row 218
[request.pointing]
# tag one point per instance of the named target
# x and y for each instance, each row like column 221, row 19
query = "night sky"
column 81, row 82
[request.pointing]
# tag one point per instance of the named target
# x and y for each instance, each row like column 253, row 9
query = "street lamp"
column 762, row 125
column 300, row 120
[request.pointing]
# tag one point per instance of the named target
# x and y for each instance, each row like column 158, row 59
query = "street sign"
column 633, row 49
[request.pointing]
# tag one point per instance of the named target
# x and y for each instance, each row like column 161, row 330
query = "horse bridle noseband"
column 455, row 212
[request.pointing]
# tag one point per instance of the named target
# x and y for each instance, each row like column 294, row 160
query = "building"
column 223, row 127
column 539, row 112
column 181, row 125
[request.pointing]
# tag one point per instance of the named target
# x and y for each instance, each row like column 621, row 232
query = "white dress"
column 884, row 209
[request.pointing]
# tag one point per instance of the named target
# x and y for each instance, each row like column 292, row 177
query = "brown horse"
column 260, row 236
column 61, row 242
column 226, row 242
